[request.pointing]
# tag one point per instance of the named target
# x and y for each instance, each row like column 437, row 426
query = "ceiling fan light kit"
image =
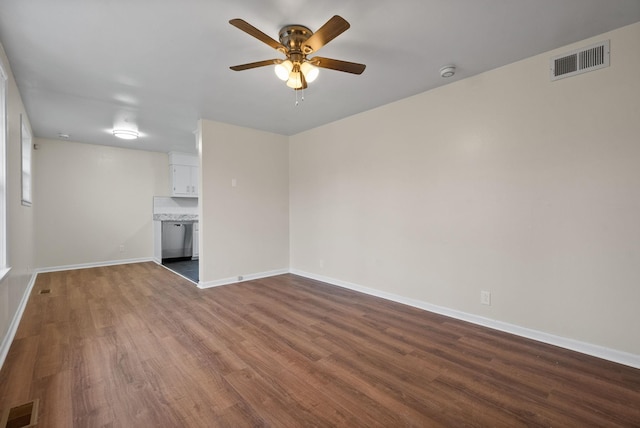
column 289, row 72
column 296, row 42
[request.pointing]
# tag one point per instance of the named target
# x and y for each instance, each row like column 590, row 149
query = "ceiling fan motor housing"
column 293, row 37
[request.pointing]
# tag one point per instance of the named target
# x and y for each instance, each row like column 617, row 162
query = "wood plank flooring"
column 137, row 346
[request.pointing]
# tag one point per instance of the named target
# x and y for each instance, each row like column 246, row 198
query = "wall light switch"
column 234, row 182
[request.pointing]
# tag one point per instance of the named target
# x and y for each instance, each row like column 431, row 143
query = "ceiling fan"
column 296, row 42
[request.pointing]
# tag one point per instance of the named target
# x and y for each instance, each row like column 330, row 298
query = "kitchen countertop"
column 175, row 217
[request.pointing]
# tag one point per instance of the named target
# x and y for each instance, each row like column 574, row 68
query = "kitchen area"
column 175, row 219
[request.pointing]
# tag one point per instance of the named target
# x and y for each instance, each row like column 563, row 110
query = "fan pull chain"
column 301, row 96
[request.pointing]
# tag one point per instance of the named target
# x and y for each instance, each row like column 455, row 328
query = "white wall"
column 504, row 182
column 244, row 230
column 90, row 199
column 20, row 219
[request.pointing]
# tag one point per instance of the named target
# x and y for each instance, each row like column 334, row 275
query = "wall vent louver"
column 580, row 61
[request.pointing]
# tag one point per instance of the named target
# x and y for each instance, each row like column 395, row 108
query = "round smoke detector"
column 447, row 71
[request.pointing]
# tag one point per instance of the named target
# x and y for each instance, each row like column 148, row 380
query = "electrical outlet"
column 321, row 264
column 122, row 248
column 485, row 297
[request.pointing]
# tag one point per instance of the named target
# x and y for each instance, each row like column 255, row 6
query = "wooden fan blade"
column 255, row 64
column 253, row 31
column 329, row 31
column 336, row 64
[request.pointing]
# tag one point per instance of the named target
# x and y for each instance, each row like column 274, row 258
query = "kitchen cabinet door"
column 184, row 180
column 194, row 180
column 196, row 241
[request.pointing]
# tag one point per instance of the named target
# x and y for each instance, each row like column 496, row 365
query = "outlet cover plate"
column 485, row 297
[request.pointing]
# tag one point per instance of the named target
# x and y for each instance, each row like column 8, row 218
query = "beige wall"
column 244, row 230
column 20, row 237
column 504, row 182
column 90, row 199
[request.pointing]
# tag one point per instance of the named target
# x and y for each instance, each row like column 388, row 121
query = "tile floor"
column 187, row 268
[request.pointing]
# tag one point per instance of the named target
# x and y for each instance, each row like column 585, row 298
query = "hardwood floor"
column 135, row 345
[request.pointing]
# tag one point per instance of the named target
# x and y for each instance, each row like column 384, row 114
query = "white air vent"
column 580, row 61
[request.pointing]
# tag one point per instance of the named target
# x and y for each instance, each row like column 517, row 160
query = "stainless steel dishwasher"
column 177, row 240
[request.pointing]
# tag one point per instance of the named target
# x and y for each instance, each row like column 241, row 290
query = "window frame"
column 4, row 268
column 26, row 142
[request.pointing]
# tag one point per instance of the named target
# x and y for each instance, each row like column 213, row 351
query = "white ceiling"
column 163, row 64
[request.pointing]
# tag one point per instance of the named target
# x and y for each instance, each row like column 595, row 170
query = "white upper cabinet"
column 183, row 175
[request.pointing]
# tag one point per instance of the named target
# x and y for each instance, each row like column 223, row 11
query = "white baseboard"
column 235, row 279
column 616, row 356
column 15, row 322
column 95, row 264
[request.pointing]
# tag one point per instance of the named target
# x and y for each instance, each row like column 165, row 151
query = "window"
column 25, row 135
column 3, row 177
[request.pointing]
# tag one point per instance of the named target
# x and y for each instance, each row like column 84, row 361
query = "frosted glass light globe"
column 310, row 71
column 283, row 69
column 295, row 80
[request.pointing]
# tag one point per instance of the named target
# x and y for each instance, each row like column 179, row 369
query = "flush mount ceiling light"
column 126, row 134
column 296, row 42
